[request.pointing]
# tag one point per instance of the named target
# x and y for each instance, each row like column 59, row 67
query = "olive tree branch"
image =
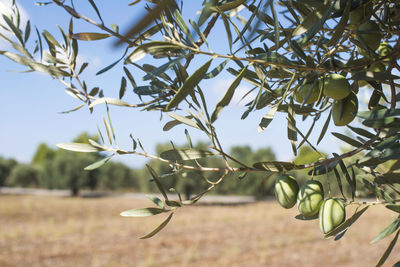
column 77, row 15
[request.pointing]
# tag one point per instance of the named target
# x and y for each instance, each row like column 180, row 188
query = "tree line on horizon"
column 60, row 169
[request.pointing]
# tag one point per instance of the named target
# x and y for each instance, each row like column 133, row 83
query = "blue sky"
column 31, row 102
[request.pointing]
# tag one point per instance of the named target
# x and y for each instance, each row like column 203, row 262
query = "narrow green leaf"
column 78, row 147
column 14, row 28
column 185, row 120
column 347, row 139
column 229, row 5
column 50, row 38
column 156, row 201
column 157, row 180
column 160, row 70
column 90, row 36
column 323, row 169
column 347, row 223
column 98, row 164
column 310, row 20
column 158, row 228
column 339, row 236
column 72, row 110
column 217, row 70
column 27, row 31
column 339, row 181
column 200, row 33
column 142, row 212
column 173, row 203
column 391, row 228
column 108, row 130
column 97, row 10
column 306, row 218
column 130, row 77
column 316, row 27
column 186, row 154
column 83, row 67
column 291, row 127
column 388, row 250
column 275, row 166
column 148, row 90
column 361, row 131
column 267, row 119
column 228, row 31
column 378, row 114
column 188, row 85
column 181, row 23
column 374, row 76
column 108, row 67
column 169, row 125
column 110, row 101
column 341, row 25
column 189, row 139
column 228, row 96
column 324, row 128
column 388, row 178
column 122, row 89
column 377, row 191
column 151, row 48
column 393, row 207
column 276, row 25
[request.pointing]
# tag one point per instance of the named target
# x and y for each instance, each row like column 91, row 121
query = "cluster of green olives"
column 310, row 201
column 334, row 86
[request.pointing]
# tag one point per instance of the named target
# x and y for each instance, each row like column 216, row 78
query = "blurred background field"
column 64, row 231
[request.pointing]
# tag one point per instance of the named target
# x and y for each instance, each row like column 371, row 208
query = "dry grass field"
column 54, row 231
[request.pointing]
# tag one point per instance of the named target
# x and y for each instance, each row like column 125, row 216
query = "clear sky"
column 32, row 102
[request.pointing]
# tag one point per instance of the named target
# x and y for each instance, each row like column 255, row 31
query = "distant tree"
column 6, row 166
column 24, row 175
column 43, row 154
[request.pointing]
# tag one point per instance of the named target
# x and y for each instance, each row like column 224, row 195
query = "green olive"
column 344, row 111
column 310, row 197
column 336, row 86
column 369, row 34
column 331, row 214
column 286, row 189
column 384, row 50
column 304, row 91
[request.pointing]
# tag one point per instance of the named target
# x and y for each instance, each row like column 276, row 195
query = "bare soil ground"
column 60, row 231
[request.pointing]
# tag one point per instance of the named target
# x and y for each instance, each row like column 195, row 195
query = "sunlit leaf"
column 151, row 48
column 186, row 154
column 78, row 147
column 142, row 212
column 110, row 101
